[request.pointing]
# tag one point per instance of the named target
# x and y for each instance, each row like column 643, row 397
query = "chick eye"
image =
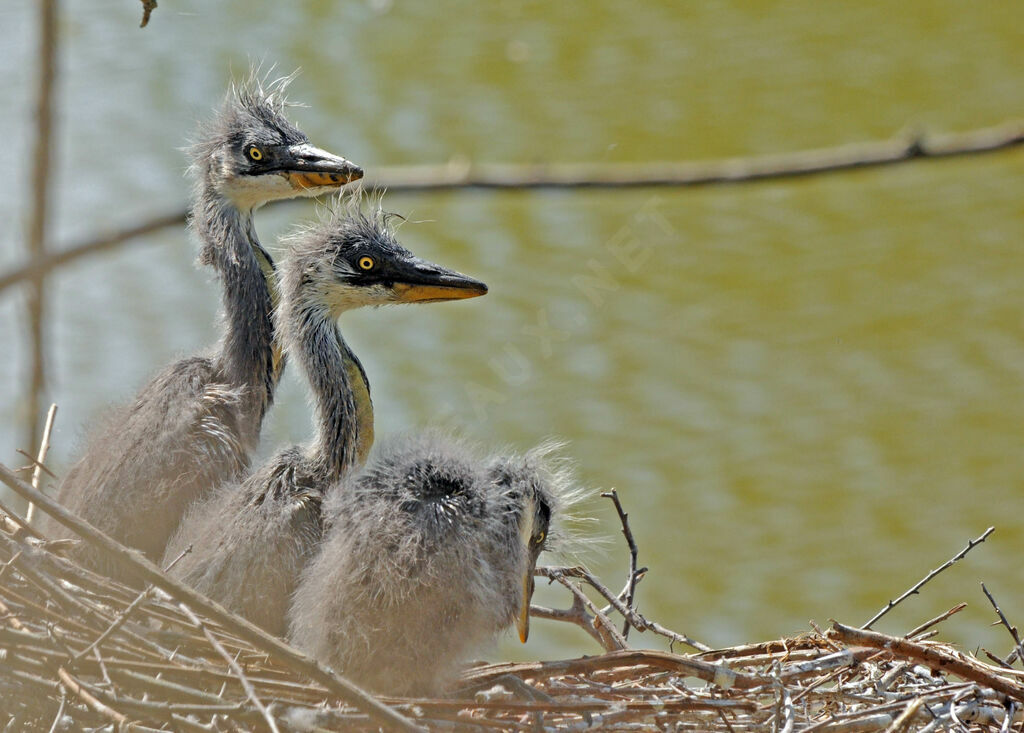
column 366, row 263
column 255, row 153
column 539, row 537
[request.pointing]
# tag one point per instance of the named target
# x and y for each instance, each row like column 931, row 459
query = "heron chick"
column 194, row 425
column 429, row 553
column 251, row 540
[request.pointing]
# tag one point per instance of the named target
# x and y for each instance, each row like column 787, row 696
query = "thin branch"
column 11, row 516
column 73, row 686
column 51, row 260
column 903, row 722
column 734, row 170
column 1004, row 622
column 917, row 587
column 937, row 620
column 717, row 674
column 148, row 6
column 42, row 154
column 638, row 621
column 611, row 640
column 250, row 691
column 60, row 712
column 117, row 623
column 44, row 447
column 633, row 552
column 576, row 614
column 231, row 622
column 931, row 656
column 409, row 179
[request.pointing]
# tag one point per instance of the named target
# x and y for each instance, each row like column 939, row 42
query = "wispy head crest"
column 571, row 537
column 252, row 109
column 352, row 211
column 263, row 89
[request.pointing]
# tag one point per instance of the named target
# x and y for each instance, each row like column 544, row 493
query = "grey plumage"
column 428, row 555
column 250, row 541
column 194, row 425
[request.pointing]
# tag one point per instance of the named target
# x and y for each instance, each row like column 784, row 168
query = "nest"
column 79, row 650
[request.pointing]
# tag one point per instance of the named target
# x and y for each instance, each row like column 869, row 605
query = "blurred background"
column 808, row 392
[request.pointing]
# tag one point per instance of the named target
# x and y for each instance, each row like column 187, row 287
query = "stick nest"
column 79, row 650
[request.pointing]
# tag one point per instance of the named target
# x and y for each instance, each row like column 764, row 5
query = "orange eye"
column 255, row 153
column 366, row 263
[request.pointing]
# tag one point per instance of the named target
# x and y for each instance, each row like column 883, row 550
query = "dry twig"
column 44, row 447
column 1002, row 619
column 917, row 586
column 405, row 179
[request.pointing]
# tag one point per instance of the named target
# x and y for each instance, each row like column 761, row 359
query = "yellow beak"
column 523, row 618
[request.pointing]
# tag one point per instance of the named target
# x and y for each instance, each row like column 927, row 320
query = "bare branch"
column 917, row 587
column 235, row 668
column 937, row 620
column 44, row 447
column 148, row 6
column 42, row 154
column 631, row 543
column 930, row 656
column 406, row 179
column 1004, row 622
column 576, row 614
column 74, row 687
column 51, row 260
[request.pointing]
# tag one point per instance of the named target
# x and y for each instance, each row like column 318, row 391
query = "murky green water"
column 807, row 393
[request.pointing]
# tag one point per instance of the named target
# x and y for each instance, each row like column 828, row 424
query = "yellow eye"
column 366, row 263
column 540, row 537
column 255, row 153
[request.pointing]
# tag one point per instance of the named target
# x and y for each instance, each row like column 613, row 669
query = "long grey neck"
column 316, row 344
column 246, row 358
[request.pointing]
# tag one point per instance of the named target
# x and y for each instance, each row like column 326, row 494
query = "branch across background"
column 466, row 176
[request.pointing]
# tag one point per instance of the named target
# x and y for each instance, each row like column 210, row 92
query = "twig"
column 250, row 691
column 44, row 447
column 60, row 711
column 937, row 620
column 930, row 656
column 9, row 515
column 42, row 153
column 917, row 587
column 902, row 723
column 631, row 543
column 118, row 621
column 73, row 686
column 148, row 6
column 715, row 673
column 405, row 179
column 735, row 170
column 1002, row 619
column 611, row 639
column 39, row 266
column 576, row 614
column 238, row 626
column 34, row 464
column 639, row 622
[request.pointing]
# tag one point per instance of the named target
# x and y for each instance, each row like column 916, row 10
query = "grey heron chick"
column 195, row 423
column 251, row 540
column 429, row 554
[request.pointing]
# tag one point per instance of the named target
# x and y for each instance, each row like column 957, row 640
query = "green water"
column 808, row 393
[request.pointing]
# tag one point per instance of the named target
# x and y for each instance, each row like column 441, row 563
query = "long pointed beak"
column 523, row 617
column 419, row 281
column 308, row 166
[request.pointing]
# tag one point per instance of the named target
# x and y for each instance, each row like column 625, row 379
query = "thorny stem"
column 917, row 587
column 631, row 543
